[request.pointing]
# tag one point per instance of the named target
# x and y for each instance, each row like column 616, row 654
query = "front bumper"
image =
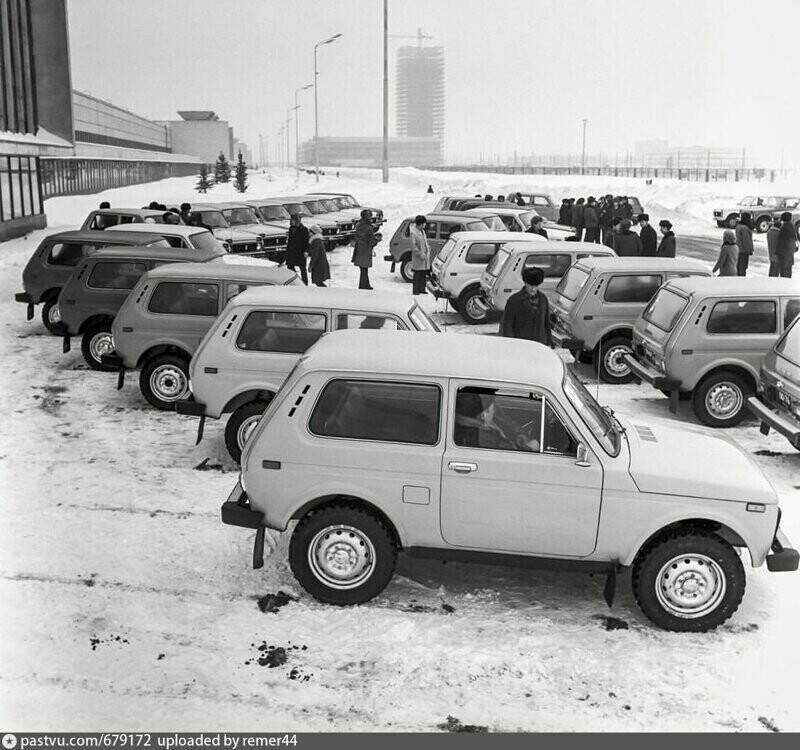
column 236, row 511
column 773, row 419
column 192, row 408
column 656, row 378
column 436, row 290
column 564, row 341
column 26, row 299
column 783, row 557
column 114, row 360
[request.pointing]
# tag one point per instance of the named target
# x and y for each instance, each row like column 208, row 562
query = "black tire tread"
column 144, row 377
column 232, row 425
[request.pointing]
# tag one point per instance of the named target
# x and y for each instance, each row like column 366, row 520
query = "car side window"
column 115, row 275
column 511, row 225
column 353, row 320
column 280, row 331
column 480, row 253
column 379, row 411
column 65, row 254
column 554, row 265
column 446, row 229
column 233, row 288
column 175, row 241
column 431, row 228
column 743, row 316
column 791, row 309
column 406, row 228
column 103, row 221
column 638, row 289
column 184, row 298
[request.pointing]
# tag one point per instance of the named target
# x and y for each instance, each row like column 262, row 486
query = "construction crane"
column 419, row 36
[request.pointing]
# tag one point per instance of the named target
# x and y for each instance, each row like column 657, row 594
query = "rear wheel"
column 608, row 360
column 165, row 380
column 51, row 317
column 720, row 399
column 732, row 221
column 241, row 425
column 469, row 306
column 405, row 268
column 762, row 224
column 97, row 341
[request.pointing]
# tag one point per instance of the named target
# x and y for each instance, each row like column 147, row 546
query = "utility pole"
column 583, row 150
column 385, row 169
column 288, row 139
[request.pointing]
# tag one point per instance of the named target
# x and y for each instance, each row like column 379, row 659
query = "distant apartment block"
column 419, row 92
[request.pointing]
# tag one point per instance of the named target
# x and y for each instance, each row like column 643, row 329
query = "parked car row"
column 763, row 211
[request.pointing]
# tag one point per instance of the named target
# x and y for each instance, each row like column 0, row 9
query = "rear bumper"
column 783, row 558
column 650, row 375
column 190, row 408
column 774, row 419
column 563, row 341
column 23, row 297
column 436, row 290
column 236, row 510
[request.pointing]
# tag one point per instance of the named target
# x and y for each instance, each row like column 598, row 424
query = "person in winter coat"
column 362, row 250
column 591, row 221
column 318, row 258
column 648, row 236
column 536, row 227
column 606, row 214
column 519, row 200
column 420, row 255
column 744, row 241
column 527, row 313
column 565, row 212
column 727, row 263
column 787, row 246
column 577, row 218
column 772, row 246
column 297, row 247
column 627, row 243
column 186, row 212
column 667, row 246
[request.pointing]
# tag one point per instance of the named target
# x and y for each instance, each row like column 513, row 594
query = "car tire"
column 732, row 221
column 51, row 317
column 342, row 555
column 763, row 223
column 165, row 380
column 609, row 366
column 240, row 424
column 720, row 400
column 97, row 340
column 468, row 308
column 405, row 268
column 688, row 581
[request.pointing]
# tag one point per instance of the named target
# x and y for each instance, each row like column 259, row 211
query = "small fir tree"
column 204, row 184
column 222, row 169
column 240, row 176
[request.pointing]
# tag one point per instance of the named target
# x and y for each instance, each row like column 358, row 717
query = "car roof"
column 749, row 286
column 233, row 204
column 175, row 229
column 348, row 299
column 498, row 236
column 493, row 358
column 550, row 246
column 207, row 206
column 135, row 211
column 628, row 263
column 154, row 253
column 449, row 215
column 85, row 235
column 481, row 211
column 223, row 271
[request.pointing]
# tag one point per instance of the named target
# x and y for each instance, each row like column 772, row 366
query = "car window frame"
column 159, row 282
column 616, row 274
column 275, row 309
column 710, row 313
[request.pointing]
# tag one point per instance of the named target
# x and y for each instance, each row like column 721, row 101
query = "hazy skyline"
column 520, row 74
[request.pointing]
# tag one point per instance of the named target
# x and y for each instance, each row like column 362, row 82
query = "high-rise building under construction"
column 419, row 110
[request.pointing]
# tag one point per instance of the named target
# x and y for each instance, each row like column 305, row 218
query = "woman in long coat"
column 318, row 258
column 727, row 263
column 362, row 250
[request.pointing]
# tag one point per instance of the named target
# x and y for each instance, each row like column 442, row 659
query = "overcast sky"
column 520, row 74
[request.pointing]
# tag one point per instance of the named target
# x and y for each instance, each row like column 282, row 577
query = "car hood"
column 227, row 234
column 266, row 229
column 671, row 458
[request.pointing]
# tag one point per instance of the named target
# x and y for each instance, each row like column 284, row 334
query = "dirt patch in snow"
column 612, row 623
column 96, row 641
column 50, row 401
column 768, row 724
column 272, row 656
column 452, row 724
column 273, row 602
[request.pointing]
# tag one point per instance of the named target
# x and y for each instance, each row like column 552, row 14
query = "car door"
column 511, row 481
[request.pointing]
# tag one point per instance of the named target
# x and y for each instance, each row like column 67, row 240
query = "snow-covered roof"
column 560, row 246
column 497, row 236
column 176, row 230
column 638, row 263
column 266, row 272
column 746, row 286
column 360, row 300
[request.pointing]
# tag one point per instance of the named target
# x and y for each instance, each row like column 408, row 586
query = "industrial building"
column 419, row 92
column 202, row 134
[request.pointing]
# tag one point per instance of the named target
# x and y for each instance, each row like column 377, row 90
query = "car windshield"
column 665, row 309
column 496, row 264
column 596, row 418
column 316, row 207
column 527, row 218
column 205, row 241
column 421, row 320
column 748, row 200
column 789, row 346
column 352, row 202
column 475, row 226
column 330, row 205
column 447, row 248
column 297, row 208
column 274, row 213
column 495, row 223
column 213, row 219
column 240, row 216
column 572, row 282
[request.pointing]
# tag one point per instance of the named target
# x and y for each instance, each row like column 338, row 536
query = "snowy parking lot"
column 127, row 604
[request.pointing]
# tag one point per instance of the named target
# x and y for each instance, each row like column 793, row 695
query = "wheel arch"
column 50, row 294
column 253, row 394
column 739, row 368
column 615, row 330
column 158, row 350
column 94, row 319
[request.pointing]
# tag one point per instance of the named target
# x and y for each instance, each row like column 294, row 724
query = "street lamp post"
column 288, row 138
column 583, row 150
column 316, row 105
column 297, row 126
column 385, row 165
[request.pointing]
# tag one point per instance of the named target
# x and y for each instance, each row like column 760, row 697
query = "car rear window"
column 636, row 289
column 496, row 264
column 474, row 226
column 379, row 411
column 480, row 253
column 789, row 345
column 572, row 283
column 665, row 309
column 65, row 254
column 280, row 331
column 205, row 241
column 743, row 316
column 447, row 248
column 421, row 320
column 184, row 298
column 115, row 275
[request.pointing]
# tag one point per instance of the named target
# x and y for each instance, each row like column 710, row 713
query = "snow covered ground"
column 127, row 605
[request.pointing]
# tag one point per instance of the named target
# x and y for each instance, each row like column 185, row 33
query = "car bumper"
column 391, row 259
column 25, row 299
column 783, row 558
column 236, row 511
column 564, row 341
column 773, row 419
column 436, row 290
column 650, row 375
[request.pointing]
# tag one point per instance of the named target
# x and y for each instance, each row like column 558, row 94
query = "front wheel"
column 241, row 425
column 691, row 581
column 51, row 317
column 470, row 307
column 732, row 221
column 720, row 399
column 763, row 224
column 405, row 268
column 609, row 363
column 97, row 341
column 342, row 555
column 165, row 380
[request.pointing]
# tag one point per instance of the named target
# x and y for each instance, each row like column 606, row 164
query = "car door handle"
column 462, row 467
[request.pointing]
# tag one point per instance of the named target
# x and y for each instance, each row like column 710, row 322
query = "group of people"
column 737, row 247
column 307, row 241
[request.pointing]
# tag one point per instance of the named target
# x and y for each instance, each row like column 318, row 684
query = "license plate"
column 784, row 400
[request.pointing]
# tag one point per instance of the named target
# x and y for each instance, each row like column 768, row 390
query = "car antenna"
column 599, row 365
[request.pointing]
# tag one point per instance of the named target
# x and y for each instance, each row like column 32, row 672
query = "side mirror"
column 582, row 456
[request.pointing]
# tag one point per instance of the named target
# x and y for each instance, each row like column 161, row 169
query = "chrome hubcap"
column 342, row 557
column 101, row 343
column 169, row 383
column 474, row 310
column 724, row 401
column 690, row 586
column 246, row 429
column 613, row 361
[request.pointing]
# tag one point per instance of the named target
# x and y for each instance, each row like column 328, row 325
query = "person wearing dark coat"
column 565, row 212
column 318, row 258
column 362, row 250
column 186, row 212
column 577, row 218
column 667, row 246
column 591, row 221
column 772, row 246
column 648, row 236
column 536, row 227
column 430, row 188
column 786, row 246
column 627, row 243
column 607, row 220
column 297, row 247
column 519, row 200
column 527, row 313
column 744, row 241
